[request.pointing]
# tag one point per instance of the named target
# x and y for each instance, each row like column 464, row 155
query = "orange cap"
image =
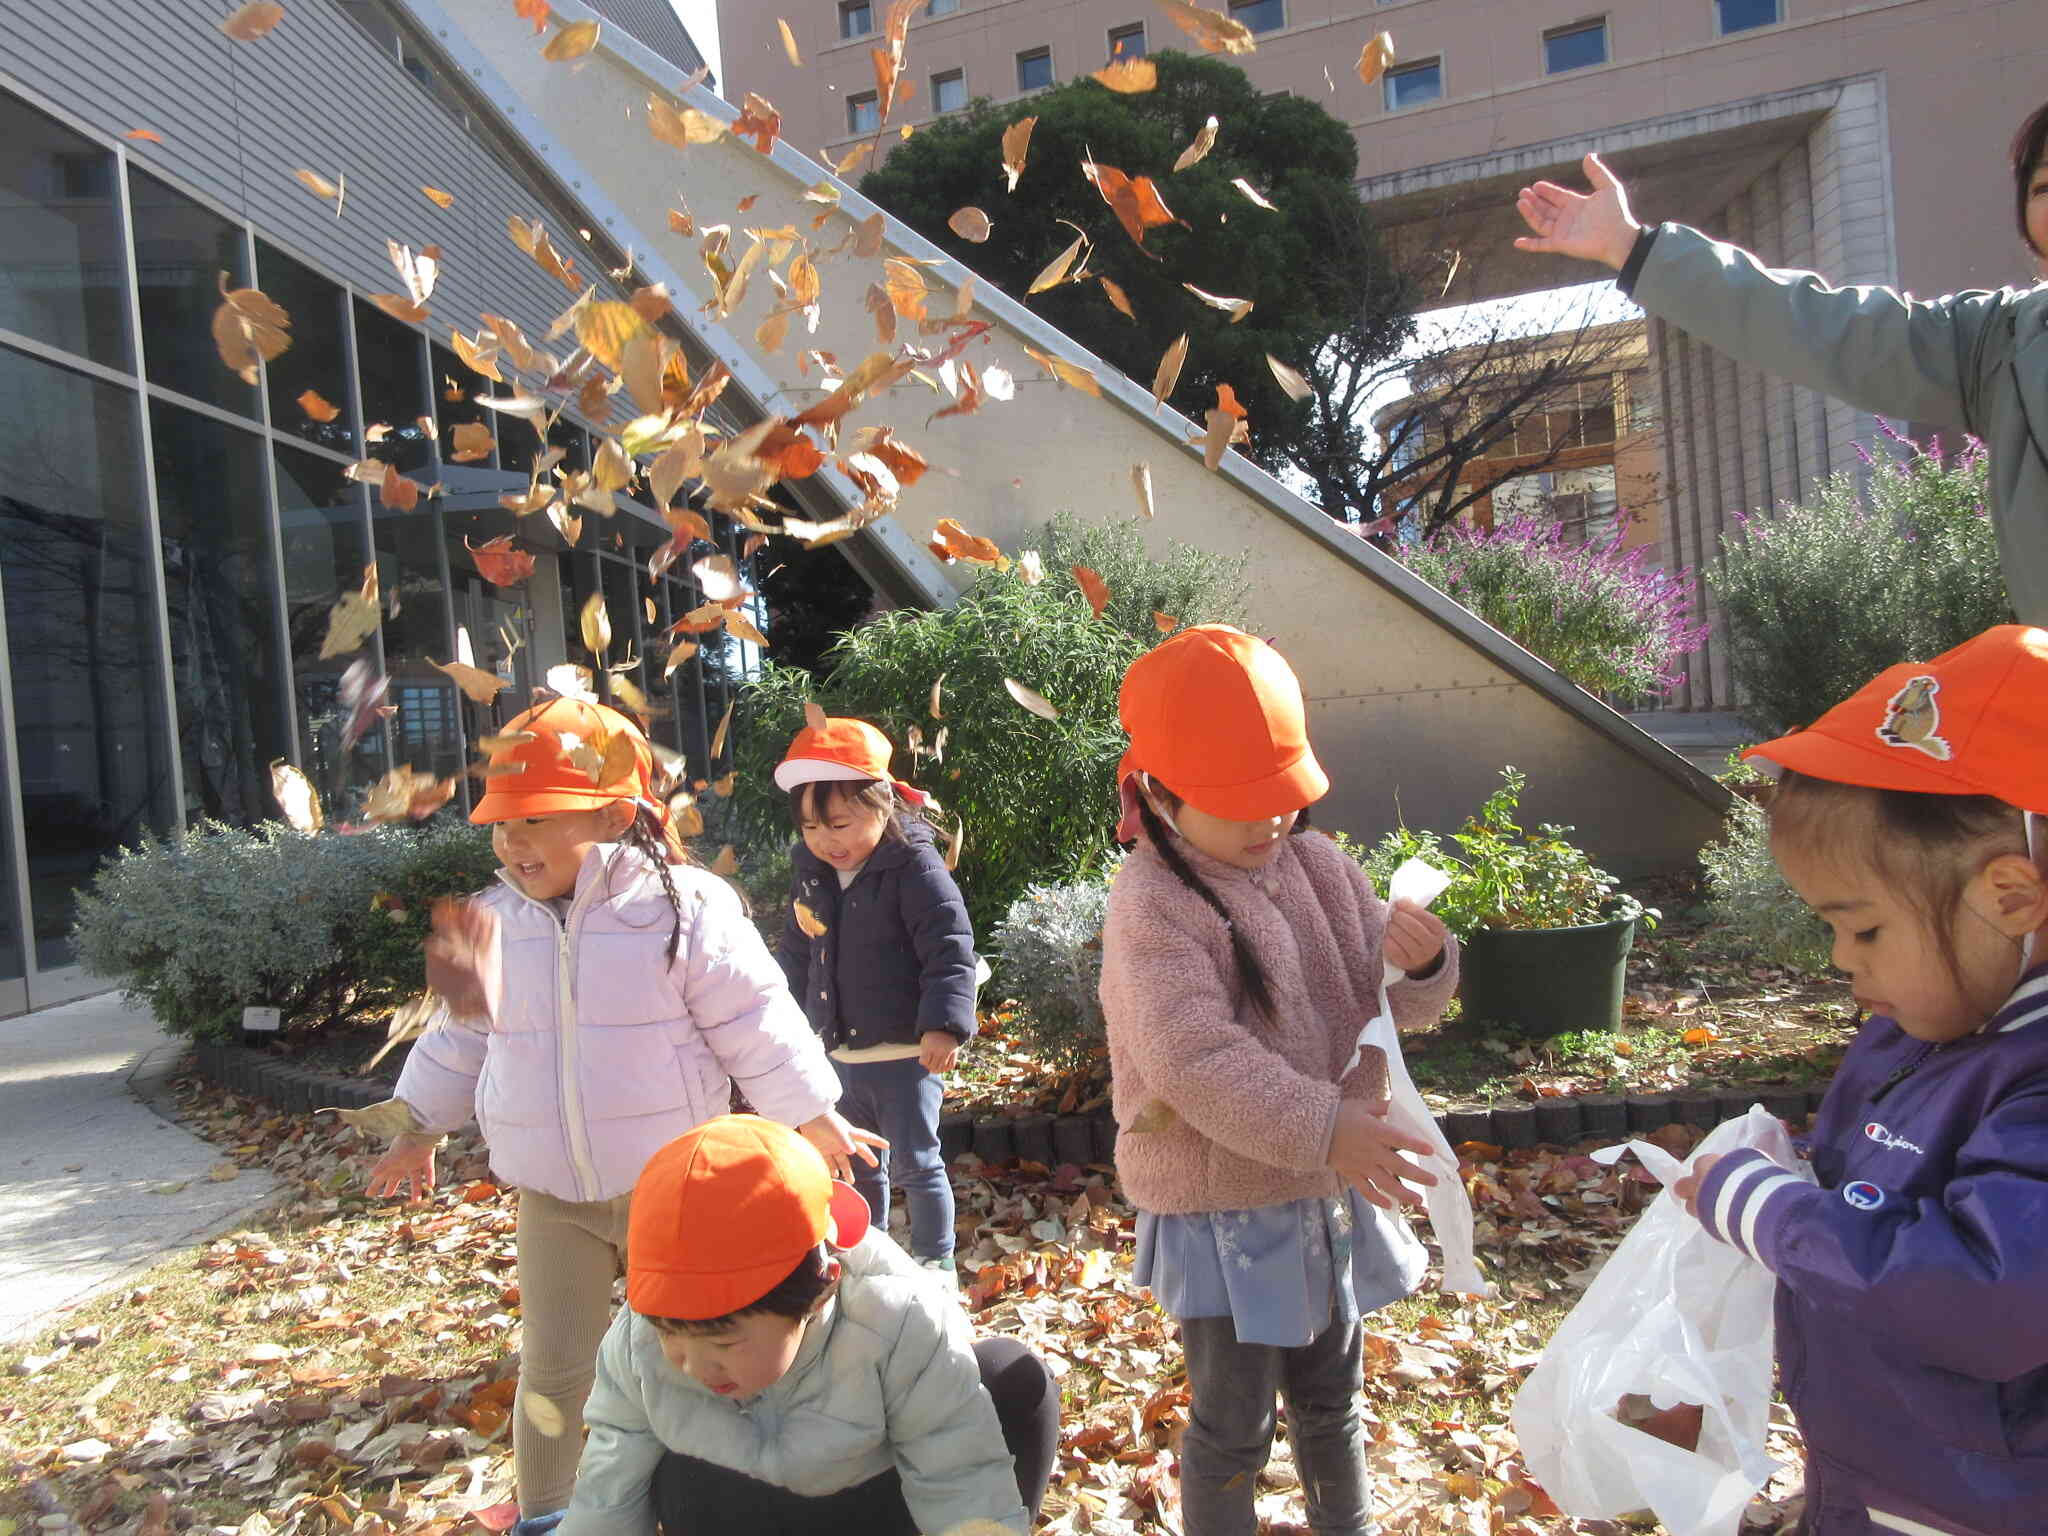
column 843, row 751
column 1973, row 721
column 1215, row 715
column 722, row 1214
column 558, row 770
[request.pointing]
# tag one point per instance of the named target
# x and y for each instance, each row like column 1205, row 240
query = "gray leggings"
column 1231, row 1423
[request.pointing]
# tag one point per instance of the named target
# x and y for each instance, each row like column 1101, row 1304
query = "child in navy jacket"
column 1912, row 1303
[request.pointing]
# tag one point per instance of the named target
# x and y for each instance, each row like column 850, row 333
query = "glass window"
column 1741, row 15
column 498, row 620
column 220, row 588
column 455, row 393
column 369, row 15
column 61, row 257
column 89, row 720
column 388, row 361
column 1034, row 71
column 317, row 359
column 1259, row 15
column 1127, row 42
column 863, row 113
column 942, row 7
column 1410, row 85
column 949, row 91
column 181, row 251
column 572, row 440
column 856, row 18
column 427, row 731
column 323, row 529
column 1575, row 47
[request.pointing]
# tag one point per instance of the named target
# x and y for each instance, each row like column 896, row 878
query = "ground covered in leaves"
column 349, row 1366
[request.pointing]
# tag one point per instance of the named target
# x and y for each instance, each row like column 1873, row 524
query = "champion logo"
column 1887, row 1140
column 1863, row 1195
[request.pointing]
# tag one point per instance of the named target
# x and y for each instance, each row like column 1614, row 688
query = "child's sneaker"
column 942, row 1270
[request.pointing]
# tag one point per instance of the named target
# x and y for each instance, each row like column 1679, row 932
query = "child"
column 599, row 1001
column 777, row 1371
column 1241, row 956
column 1912, row 1337
column 878, row 946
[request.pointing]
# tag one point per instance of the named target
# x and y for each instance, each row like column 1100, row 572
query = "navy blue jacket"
column 1912, row 1298
column 896, row 958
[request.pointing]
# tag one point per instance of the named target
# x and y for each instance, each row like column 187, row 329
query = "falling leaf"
column 1016, row 144
column 401, row 493
column 953, row 542
column 253, row 21
column 1031, row 699
column 574, row 40
column 1165, row 623
column 1167, row 374
column 1118, row 297
column 1237, row 309
column 1203, row 143
column 1155, row 1116
column 727, row 864
column 353, row 619
column 1141, row 482
column 1133, row 199
column 1055, row 271
column 296, row 797
column 471, row 442
column 437, row 197
column 1252, row 192
column 811, row 924
column 499, row 561
column 956, row 843
column 315, row 406
column 1296, row 386
column 1030, row 568
column 476, row 683
column 682, row 127
column 1212, row 32
column 596, row 625
column 718, row 736
column 531, row 237
column 970, row 224
column 815, row 718
column 938, row 683
column 605, row 327
column 145, row 135
column 1374, row 58
column 404, row 794
column 1128, row 76
column 796, row 60
column 1073, row 375
column 536, row 11
column 399, row 307
column 1093, row 587
column 419, row 272
column 1703, row 1034
column 320, row 187
column 759, row 121
column 851, row 158
column 1222, row 426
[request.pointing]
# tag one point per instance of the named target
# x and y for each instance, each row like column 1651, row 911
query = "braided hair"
column 658, row 848
column 1249, row 971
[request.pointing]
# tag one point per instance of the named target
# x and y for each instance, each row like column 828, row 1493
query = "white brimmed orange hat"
column 842, row 750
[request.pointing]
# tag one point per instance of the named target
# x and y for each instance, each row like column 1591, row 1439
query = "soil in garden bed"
column 343, row 1051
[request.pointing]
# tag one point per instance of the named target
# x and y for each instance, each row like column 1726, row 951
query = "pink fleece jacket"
column 1254, row 1103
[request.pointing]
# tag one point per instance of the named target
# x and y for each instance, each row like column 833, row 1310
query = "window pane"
column 322, row 523
column 455, row 393
column 427, row 732
column 317, row 359
column 1034, row 69
column 1741, row 15
column 61, row 259
column 1127, row 42
column 1259, row 15
column 942, row 7
column 949, row 91
column 388, row 359
column 1414, row 83
column 863, row 114
column 1575, row 47
column 181, row 250
column 856, row 19
column 94, row 746
column 220, row 586
column 498, row 620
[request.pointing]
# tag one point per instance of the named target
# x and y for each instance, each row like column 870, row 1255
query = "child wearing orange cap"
column 1912, row 1338
column 1240, row 957
column 878, row 945
column 781, row 1368
column 598, row 1001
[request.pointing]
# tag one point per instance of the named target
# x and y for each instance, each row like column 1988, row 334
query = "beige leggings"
column 569, row 1255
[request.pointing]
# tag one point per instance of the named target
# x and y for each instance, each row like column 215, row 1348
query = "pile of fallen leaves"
column 349, row 1367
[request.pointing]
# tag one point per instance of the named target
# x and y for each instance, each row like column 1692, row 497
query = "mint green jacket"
column 1975, row 361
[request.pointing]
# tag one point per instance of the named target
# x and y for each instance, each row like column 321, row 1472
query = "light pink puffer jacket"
column 600, row 1052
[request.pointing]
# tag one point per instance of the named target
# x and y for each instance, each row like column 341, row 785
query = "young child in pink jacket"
column 1242, row 956
column 599, row 1002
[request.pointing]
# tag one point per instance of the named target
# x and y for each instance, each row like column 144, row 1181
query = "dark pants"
column 696, row 1498
column 900, row 1100
column 1231, row 1422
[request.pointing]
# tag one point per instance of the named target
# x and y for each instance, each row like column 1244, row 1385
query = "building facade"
column 172, row 538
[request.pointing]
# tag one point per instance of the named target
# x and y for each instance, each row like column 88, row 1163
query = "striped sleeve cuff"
column 1738, row 1192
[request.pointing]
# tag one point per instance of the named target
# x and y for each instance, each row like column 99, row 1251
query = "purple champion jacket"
column 1912, row 1300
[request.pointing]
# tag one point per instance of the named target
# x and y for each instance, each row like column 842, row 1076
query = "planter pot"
column 1539, row 982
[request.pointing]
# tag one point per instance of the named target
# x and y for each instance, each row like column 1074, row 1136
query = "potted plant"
column 1544, row 935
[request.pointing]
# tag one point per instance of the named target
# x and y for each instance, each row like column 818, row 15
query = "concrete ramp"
column 1415, row 704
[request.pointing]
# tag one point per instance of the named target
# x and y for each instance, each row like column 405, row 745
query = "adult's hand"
column 1594, row 226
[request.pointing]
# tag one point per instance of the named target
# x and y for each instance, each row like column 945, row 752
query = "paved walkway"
column 94, row 1184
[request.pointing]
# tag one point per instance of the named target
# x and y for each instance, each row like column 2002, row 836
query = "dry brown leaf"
column 253, row 21
column 1073, row 375
column 1222, row 426
column 812, row 925
column 815, row 718
column 1118, row 297
column 479, row 356
column 851, row 158
column 796, row 60
column 938, row 683
column 596, row 625
column 740, row 627
column 679, row 653
column 1199, row 148
column 1167, row 374
column 1055, row 271
column 682, row 127
column 1253, row 193
column 317, row 406
column 1375, row 56
column 1133, row 199
column 1213, row 33
column 574, row 40
column 1030, row 568
column 605, row 326
column 952, row 542
column 476, row 684
column 970, row 224
column 718, row 736
column 1128, row 76
column 471, row 443
column 296, row 797
column 1031, row 699
column 499, row 561
column 354, row 618
column 1237, row 309
column 1165, row 623
column 437, row 197
column 401, row 493
column 727, row 864
column 1141, row 482
column 1016, row 145
column 144, row 135
column 399, row 307
column 539, row 12
column 1093, row 587
column 321, row 187
column 418, row 272
column 249, row 330
column 759, row 121
column 1296, row 386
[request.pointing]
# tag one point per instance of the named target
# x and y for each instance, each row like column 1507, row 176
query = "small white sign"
column 263, row 1018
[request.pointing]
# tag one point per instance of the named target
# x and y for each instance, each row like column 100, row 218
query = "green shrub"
column 1037, row 797
column 1760, row 915
column 1822, row 597
column 223, row 918
column 1050, row 947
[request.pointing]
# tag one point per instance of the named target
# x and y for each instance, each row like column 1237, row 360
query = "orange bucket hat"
column 1973, row 721
column 842, row 751
column 559, row 756
column 1216, row 716
column 722, row 1214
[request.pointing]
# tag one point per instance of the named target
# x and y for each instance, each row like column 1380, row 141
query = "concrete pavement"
column 94, row 1184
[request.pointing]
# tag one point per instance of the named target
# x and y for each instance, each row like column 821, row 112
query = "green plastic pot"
column 1538, row 982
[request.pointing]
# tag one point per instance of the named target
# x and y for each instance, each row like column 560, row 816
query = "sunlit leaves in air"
column 252, row 21
column 501, row 562
column 437, row 197
column 575, row 40
column 952, row 542
column 1237, row 309
column 335, row 191
column 682, row 127
column 353, row 619
column 296, row 797
column 759, row 121
column 1292, row 382
column 1128, row 76
column 317, row 406
column 796, row 60
column 1141, row 482
column 1016, row 145
column 1093, row 587
column 970, row 224
column 1374, row 58
column 1133, row 199
column 1199, row 147
column 248, row 330
column 1031, row 699
column 1212, row 32
column 1167, row 374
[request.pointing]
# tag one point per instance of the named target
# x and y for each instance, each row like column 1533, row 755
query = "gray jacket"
column 885, row 1377
column 1977, row 361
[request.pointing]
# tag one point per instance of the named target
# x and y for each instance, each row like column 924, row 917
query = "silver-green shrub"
column 1757, row 912
column 1049, row 948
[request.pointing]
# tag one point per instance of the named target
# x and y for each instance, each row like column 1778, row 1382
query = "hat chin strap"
column 1158, row 810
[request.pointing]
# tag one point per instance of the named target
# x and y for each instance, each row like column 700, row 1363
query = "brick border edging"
column 1091, row 1138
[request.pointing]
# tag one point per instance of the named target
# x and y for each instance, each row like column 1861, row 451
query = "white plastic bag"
column 1677, row 1317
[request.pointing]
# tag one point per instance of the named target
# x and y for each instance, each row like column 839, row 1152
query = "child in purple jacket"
column 1912, row 1302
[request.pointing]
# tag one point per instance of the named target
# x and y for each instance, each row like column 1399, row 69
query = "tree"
column 1288, row 148
column 813, row 597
